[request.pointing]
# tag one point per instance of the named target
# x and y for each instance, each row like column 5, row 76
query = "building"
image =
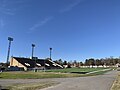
column 117, row 65
column 35, row 63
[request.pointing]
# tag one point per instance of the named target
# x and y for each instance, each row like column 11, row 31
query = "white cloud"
column 7, row 12
column 41, row 23
column 70, row 7
column 1, row 24
column 4, row 9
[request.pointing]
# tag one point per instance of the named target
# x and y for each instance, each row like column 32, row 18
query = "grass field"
column 69, row 70
column 59, row 73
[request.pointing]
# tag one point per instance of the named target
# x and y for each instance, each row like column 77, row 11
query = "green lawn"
column 69, row 70
column 59, row 73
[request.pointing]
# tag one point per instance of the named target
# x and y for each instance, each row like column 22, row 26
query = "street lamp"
column 50, row 53
column 33, row 45
column 10, row 39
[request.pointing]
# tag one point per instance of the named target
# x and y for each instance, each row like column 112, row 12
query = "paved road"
column 100, row 82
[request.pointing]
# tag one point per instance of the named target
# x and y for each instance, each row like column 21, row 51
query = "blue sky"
column 75, row 29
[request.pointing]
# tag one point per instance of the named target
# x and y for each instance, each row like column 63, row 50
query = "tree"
column 97, row 62
column 91, row 62
column 65, row 63
column 69, row 65
column 86, row 62
column 81, row 64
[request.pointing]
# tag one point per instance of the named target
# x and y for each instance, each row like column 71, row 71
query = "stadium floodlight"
column 50, row 53
column 33, row 45
column 10, row 39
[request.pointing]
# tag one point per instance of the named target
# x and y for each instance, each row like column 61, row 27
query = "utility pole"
column 10, row 39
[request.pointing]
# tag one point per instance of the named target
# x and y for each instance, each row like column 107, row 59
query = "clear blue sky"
column 75, row 29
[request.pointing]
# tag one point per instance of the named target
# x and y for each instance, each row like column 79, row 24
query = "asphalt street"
column 99, row 82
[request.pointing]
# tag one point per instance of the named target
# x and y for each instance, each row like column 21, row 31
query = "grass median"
column 116, row 84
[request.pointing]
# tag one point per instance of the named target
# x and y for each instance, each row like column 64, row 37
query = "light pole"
column 33, row 45
column 10, row 39
column 50, row 53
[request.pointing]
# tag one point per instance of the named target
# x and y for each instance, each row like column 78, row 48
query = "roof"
column 32, row 63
